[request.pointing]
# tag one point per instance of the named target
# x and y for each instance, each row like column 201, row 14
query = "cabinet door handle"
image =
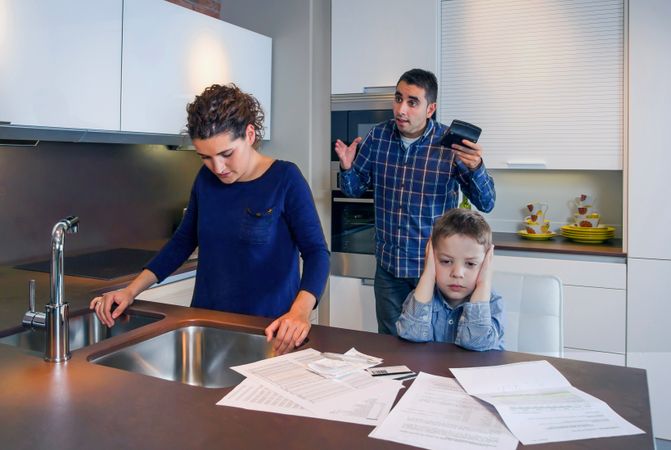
column 367, row 281
column 353, row 200
column 526, row 164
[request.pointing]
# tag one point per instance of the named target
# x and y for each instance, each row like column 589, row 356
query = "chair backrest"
column 533, row 319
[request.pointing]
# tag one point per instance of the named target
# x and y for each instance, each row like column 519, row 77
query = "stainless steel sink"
column 85, row 329
column 195, row 355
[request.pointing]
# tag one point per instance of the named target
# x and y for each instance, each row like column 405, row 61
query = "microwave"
column 348, row 125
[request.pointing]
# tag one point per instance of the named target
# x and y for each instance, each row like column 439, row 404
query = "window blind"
column 544, row 79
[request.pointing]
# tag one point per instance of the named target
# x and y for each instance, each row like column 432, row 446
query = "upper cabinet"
column 170, row 54
column 371, row 44
column 127, row 68
column 545, row 84
column 60, row 63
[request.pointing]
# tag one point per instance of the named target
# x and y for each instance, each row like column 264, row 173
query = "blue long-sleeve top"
column 474, row 326
column 249, row 237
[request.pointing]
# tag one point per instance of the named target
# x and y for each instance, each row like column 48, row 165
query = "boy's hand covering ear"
column 483, row 287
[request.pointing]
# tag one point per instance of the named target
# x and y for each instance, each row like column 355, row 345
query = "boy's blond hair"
column 465, row 222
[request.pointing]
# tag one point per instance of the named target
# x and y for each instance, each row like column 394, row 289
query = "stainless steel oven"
column 353, row 219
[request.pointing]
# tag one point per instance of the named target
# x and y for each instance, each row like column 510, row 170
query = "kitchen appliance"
column 353, row 219
column 104, row 265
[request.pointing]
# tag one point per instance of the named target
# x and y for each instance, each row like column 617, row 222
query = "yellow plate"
column 587, row 240
column 588, row 230
column 586, row 235
column 537, row 237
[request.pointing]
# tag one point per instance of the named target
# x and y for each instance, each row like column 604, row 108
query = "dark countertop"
column 78, row 291
column 82, row 405
column 558, row 244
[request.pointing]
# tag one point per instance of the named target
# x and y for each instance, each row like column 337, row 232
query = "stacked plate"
column 588, row 235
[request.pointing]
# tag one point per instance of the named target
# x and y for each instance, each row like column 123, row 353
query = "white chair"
column 532, row 306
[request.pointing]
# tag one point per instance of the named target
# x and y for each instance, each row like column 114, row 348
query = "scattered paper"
column 364, row 410
column 539, row 405
column 284, row 384
column 436, row 413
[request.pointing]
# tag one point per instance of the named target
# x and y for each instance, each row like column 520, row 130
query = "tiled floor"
column 663, row 444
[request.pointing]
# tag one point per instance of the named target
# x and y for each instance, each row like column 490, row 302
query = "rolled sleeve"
column 480, row 326
column 415, row 324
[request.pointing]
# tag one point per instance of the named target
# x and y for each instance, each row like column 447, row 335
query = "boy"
column 453, row 301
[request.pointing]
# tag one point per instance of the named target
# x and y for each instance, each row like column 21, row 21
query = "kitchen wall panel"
column 122, row 194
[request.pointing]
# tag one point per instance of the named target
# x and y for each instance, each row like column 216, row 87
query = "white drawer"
column 595, row 319
column 571, row 272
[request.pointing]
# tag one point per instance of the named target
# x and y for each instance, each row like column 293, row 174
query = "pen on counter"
column 349, row 358
column 391, row 374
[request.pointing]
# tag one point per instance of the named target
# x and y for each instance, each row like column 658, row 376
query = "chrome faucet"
column 55, row 317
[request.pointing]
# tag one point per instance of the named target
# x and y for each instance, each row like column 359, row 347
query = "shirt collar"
column 430, row 125
column 445, row 303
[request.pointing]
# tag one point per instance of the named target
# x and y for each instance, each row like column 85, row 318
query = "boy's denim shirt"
column 474, row 326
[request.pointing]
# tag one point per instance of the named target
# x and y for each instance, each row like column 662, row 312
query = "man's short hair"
column 424, row 79
column 465, row 222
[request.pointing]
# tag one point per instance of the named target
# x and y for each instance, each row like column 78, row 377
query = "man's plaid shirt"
column 412, row 187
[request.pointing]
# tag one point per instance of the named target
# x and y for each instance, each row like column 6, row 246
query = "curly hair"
column 465, row 222
column 224, row 109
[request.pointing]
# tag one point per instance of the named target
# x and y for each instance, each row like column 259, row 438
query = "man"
column 415, row 180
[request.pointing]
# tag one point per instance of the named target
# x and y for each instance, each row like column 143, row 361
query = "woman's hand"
column 123, row 298
column 102, row 305
column 290, row 330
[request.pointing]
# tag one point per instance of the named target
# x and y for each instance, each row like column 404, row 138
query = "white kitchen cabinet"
column 60, row 63
column 373, row 42
column 649, row 333
column 648, row 213
column 170, row 54
column 545, row 84
column 594, row 302
column 175, row 293
column 352, row 304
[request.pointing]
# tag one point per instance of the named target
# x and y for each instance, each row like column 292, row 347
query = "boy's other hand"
column 483, row 287
column 429, row 261
column 346, row 154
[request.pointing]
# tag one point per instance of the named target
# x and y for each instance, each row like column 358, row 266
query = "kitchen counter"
column 558, row 244
column 362, row 265
column 82, row 405
column 78, row 291
column 79, row 404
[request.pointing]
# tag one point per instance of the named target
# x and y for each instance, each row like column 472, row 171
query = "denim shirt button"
column 450, row 321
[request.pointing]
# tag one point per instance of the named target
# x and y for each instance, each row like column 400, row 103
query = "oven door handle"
column 352, row 200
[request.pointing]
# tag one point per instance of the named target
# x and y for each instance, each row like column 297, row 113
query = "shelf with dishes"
column 585, row 229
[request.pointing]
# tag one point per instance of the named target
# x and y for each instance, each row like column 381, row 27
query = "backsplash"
column 121, row 193
column 558, row 188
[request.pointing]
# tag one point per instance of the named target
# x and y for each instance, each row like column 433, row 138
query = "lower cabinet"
column 595, row 302
column 352, row 304
column 172, row 293
column 649, row 334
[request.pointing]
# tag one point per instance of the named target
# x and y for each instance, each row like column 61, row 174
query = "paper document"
column 539, row 405
column 363, row 409
column 436, row 413
column 285, row 384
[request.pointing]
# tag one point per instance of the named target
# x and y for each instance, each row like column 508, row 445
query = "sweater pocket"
column 256, row 225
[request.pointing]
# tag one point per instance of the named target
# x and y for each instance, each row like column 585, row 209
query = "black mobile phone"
column 458, row 131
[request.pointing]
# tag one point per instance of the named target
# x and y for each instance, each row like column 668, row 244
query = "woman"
column 250, row 216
